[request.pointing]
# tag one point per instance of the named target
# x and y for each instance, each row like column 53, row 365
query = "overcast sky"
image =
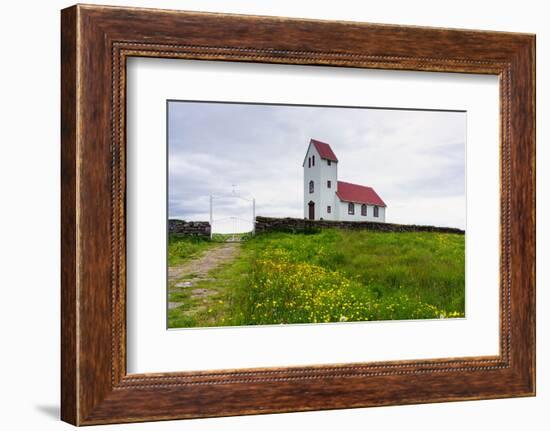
column 415, row 160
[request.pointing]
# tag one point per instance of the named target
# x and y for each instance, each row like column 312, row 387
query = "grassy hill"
column 331, row 276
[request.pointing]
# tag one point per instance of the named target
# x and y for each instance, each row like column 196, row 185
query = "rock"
column 189, row 228
column 292, row 225
column 202, row 293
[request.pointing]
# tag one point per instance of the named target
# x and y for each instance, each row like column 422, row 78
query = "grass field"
column 330, row 276
column 185, row 248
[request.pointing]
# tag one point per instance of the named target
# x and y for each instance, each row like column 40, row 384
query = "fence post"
column 211, row 221
column 253, row 216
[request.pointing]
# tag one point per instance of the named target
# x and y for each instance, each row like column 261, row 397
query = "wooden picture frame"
column 95, row 43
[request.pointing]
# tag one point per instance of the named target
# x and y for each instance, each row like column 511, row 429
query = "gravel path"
column 190, row 273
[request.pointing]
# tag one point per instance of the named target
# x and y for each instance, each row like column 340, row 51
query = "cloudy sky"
column 415, row 160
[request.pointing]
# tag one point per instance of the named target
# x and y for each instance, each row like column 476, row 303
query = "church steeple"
column 320, row 179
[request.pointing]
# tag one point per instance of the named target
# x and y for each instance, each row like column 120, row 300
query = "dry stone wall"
column 273, row 224
column 189, row 228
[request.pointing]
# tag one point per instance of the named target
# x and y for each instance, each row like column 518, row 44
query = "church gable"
column 324, row 150
column 321, row 150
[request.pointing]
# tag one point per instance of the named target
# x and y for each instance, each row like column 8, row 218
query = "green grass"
column 216, row 310
column 334, row 275
column 181, row 248
column 223, row 237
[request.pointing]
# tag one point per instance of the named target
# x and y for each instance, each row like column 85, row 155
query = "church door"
column 311, row 210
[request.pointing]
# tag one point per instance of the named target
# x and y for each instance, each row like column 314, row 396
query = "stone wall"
column 273, row 224
column 189, row 228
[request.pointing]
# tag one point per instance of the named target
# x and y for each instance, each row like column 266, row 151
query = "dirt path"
column 184, row 278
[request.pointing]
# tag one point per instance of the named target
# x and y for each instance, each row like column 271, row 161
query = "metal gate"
column 232, row 217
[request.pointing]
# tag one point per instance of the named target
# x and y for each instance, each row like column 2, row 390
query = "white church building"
column 329, row 199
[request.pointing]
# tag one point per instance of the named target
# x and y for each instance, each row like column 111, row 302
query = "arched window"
column 375, row 212
column 309, row 162
column 311, row 187
column 351, row 208
column 363, row 210
column 312, row 160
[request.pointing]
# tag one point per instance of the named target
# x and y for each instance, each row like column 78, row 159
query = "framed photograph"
column 262, row 231
column 264, row 214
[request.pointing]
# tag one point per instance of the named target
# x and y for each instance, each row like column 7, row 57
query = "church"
column 327, row 198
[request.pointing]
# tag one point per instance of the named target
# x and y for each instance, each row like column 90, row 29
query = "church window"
column 375, row 212
column 351, row 208
column 363, row 210
column 311, row 187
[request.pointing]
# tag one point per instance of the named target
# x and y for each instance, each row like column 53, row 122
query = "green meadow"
column 181, row 249
column 328, row 276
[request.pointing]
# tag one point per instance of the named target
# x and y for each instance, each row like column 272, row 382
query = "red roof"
column 349, row 192
column 324, row 150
